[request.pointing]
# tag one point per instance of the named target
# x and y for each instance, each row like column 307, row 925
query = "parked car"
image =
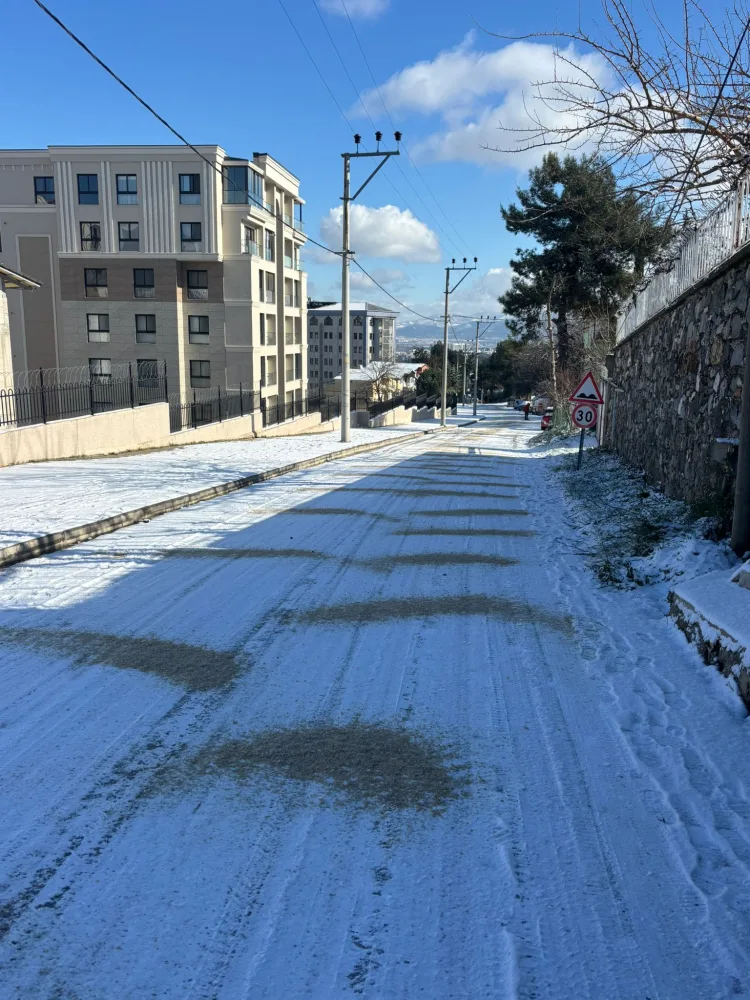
column 519, row 404
column 547, row 418
column 539, row 405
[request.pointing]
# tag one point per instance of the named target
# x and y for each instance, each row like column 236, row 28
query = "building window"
column 357, row 321
column 91, row 236
column 270, row 331
column 197, row 284
column 95, row 282
column 145, row 329
column 270, row 287
column 143, row 283
column 313, row 321
column 262, row 372
column 88, row 189
column 200, row 374
column 297, row 366
column 44, row 190
column 190, row 189
column 270, row 246
column 328, row 321
column 128, row 236
column 262, row 328
column 190, row 235
column 127, row 189
column 97, row 327
column 100, row 369
column 242, row 186
column 198, row 329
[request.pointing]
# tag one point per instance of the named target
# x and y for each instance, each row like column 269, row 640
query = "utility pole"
column 463, row 394
column 448, row 292
column 345, row 255
column 489, row 322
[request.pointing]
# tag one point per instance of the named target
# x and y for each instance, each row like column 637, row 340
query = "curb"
column 42, row 545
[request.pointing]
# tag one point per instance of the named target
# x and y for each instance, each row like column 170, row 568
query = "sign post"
column 586, row 399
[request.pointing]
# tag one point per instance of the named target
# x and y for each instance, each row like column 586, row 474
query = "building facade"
column 155, row 252
column 373, row 333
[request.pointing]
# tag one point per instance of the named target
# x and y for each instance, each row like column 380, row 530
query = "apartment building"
column 156, row 252
column 373, row 338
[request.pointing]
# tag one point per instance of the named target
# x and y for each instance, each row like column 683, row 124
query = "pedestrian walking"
column 526, row 409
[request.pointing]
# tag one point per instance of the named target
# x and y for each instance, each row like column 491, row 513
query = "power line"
column 367, row 113
column 408, row 154
column 197, row 151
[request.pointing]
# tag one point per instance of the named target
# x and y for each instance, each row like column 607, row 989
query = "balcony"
column 192, row 246
column 269, row 255
column 271, row 378
column 299, row 225
column 288, row 300
column 288, row 220
column 144, row 292
column 288, row 262
column 195, row 293
column 270, row 298
column 268, row 207
column 97, row 292
column 249, row 246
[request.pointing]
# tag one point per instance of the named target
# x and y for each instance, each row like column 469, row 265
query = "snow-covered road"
column 367, row 730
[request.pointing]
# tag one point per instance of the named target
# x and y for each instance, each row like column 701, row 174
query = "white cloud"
column 393, row 279
column 476, row 92
column 356, row 8
column 383, row 232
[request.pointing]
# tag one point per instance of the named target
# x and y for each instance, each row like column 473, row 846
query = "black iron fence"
column 51, row 394
column 209, row 406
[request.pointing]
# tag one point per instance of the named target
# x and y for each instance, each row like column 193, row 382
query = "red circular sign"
column 584, row 415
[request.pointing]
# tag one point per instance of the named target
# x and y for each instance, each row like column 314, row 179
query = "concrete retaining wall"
column 673, row 407
column 137, row 429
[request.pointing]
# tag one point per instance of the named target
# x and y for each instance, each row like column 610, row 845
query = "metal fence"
column 209, row 406
column 279, row 412
column 44, row 395
column 714, row 240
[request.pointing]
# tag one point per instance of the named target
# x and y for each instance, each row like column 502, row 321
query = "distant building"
column 152, row 252
column 13, row 282
column 379, row 380
column 373, row 332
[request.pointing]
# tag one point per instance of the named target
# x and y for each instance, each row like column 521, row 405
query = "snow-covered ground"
column 373, row 729
column 42, row 497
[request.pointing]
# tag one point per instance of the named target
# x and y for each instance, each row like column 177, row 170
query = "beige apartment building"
column 153, row 252
column 373, row 338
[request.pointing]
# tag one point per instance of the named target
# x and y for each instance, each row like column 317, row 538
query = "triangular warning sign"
column 587, row 392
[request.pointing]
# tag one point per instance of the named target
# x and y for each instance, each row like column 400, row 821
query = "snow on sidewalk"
column 43, row 497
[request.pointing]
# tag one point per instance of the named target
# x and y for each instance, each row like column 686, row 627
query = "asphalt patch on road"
column 383, row 564
column 198, row 553
column 193, row 667
column 400, row 608
column 467, row 532
column 473, row 512
column 372, row 766
column 426, row 492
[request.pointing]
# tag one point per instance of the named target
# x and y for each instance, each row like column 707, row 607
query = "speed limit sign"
column 584, row 415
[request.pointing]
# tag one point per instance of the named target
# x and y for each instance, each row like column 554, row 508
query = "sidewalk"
column 45, row 497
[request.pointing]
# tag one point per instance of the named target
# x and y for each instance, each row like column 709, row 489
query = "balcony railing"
column 144, row 292
column 91, row 244
column 96, row 292
column 249, row 246
column 289, row 220
column 192, row 246
column 288, row 300
column 299, row 225
column 269, row 254
column 196, row 293
column 268, row 207
column 288, row 262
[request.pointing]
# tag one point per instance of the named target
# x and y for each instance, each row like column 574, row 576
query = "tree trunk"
column 563, row 339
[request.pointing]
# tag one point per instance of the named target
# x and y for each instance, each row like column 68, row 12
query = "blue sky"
column 237, row 75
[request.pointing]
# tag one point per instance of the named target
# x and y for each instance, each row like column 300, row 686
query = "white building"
column 152, row 252
column 373, row 333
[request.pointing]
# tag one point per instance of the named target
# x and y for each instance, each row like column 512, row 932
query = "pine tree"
column 594, row 243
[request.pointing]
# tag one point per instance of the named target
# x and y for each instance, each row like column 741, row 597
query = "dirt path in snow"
column 425, row 756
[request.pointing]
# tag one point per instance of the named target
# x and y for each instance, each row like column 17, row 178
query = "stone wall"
column 673, row 405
